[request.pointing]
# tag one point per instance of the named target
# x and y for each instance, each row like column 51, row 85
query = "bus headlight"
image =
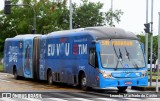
column 107, row 75
column 144, row 73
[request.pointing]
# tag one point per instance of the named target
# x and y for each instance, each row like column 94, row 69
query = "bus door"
column 6, row 57
column 20, row 58
column 93, row 62
column 27, row 57
column 36, row 55
column 42, row 58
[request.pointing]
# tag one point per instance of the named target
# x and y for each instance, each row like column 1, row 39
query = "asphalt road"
column 28, row 90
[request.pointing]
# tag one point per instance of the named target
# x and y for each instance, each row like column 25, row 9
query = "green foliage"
column 113, row 16
column 88, row 14
column 1, row 67
column 51, row 15
column 155, row 46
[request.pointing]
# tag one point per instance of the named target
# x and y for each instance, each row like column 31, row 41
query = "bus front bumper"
column 118, row 82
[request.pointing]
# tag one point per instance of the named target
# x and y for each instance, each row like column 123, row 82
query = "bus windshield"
column 121, row 53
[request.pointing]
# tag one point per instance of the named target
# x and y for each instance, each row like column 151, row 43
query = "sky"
column 134, row 15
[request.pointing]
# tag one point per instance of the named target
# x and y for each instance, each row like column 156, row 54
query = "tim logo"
column 6, row 95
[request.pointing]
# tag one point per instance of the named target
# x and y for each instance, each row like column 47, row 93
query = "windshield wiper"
column 129, row 57
column 120, row 54
column 119, row 57
column 127, row 54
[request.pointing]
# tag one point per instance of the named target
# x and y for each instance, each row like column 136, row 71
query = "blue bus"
column 97, row 57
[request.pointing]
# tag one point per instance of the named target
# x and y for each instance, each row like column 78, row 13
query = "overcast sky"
column 134, row 15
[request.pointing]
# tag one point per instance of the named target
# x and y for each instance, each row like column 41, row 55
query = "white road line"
column 155, row 99
column 5, row 75
column 7, row 99
column 106, row 99
column 86, row 95
column 32, row 99
column 131, row 99
column 56, row 99
column 4, row 80
column 64, row 95
column 82, row 99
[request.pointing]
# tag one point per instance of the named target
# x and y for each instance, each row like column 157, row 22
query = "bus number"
column 104, row 42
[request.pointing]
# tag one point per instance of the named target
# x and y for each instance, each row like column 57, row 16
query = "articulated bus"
column 97, row 57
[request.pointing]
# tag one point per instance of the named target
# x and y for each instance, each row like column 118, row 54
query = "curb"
column 149, row 88
column 153, row 80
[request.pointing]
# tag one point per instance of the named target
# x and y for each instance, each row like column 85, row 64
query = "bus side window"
column 92, row 57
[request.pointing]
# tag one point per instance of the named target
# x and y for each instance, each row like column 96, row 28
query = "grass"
column 1, row 67
column 153, row 77
column 153, row 73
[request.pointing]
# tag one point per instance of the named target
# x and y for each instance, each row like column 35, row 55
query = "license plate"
column 128, row 83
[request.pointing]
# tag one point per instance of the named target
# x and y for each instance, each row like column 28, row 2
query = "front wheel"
column 84, row 83
column 50, row 78
column 122, row 89
column 15, row 74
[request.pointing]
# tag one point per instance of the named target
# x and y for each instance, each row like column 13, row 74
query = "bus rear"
column 121, row 64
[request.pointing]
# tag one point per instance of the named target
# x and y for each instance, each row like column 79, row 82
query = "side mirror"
column 142, row 46
column 94, row 41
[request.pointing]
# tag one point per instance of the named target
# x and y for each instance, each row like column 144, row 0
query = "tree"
column 51, row 15
column 88, row 14
column 113, row 16
column 155, row 46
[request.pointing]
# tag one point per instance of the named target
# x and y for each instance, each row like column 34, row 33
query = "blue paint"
column 66, row 54
column 126, row 66
column 27, row 65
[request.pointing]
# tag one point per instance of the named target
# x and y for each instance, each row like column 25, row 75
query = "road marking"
column 85, row 95
column 56, row 99
column 153, row 99
column 63, row 95
column 106, row 99
column 4, row 80
column 131, row 99
column 31, row 99
column 82, row 99
column 7, row 99
column 5, row 75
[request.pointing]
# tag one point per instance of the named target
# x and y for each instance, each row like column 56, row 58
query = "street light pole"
column 70, row 17
column 151, row 45
column 157, row 88
column 111, row 13
column 146, row 36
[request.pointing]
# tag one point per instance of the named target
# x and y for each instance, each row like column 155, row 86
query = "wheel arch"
column 14, row 68
column 49, row 69
column 81, row 72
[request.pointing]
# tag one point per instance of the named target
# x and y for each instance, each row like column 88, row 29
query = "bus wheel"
column 15, row 73
column 50, row 78
column 84, row 83
column 122, row 89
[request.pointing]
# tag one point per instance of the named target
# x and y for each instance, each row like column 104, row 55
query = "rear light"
column 97, row 78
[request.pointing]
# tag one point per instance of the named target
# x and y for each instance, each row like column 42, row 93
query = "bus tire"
column 84, row 82
column 122, row 89
column 15, row 74
column 50, row 78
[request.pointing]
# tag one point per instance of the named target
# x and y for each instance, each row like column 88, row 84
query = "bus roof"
column 100, row 32
column 20, row 37
column 110, row 33
column 27, row 35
